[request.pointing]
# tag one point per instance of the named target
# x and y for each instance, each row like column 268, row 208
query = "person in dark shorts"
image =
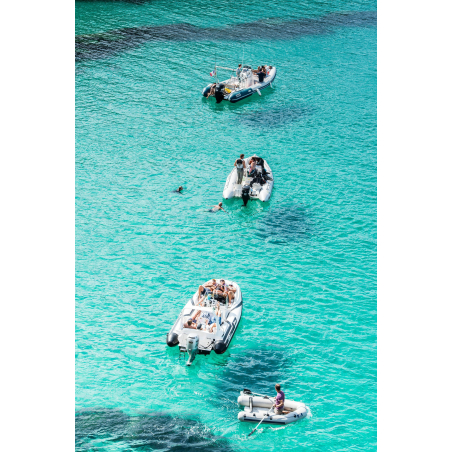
column 261, row 74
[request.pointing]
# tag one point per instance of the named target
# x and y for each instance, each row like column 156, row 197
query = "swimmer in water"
column 217, row 208
column 179, row 190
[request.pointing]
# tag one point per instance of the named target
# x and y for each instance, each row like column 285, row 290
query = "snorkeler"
column 179, row 190
column 217, row 208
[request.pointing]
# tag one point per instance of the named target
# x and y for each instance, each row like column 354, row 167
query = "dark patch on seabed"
column 286, row 223
column 254, row 369
column 98, row 427
column 104, row 45
column 269, row 118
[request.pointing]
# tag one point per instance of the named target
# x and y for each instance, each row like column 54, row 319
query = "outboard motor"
column 219, row 96
column 192, row 347
column 246, row 194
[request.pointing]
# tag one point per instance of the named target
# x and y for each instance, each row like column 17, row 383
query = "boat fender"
column 220, row 347
column 172, row 339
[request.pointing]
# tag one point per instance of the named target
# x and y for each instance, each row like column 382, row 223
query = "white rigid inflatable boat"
column 237, row 88
column 257, row 187
column 196, row 341
column 257, row 408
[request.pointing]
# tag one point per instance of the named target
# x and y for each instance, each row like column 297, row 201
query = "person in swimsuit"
column 217, row 208
column 252, row 166
column 192, row 321
column 241, row 167
column 179, row 190
column 217, row 320
column 212, row 90
column 206, row 288
column 231, row 293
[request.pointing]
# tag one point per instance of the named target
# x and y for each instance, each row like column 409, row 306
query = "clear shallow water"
column 306, row 261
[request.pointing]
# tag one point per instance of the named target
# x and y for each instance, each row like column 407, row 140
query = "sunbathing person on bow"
column 207, row 288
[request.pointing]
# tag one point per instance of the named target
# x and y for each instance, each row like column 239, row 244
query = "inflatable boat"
column 257, row 186
column 239, row 87
column 217, row 319
column 257, row 409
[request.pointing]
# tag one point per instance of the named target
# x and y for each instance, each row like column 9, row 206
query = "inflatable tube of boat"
column 206, row 90
column 220, row 347
column 172, row 339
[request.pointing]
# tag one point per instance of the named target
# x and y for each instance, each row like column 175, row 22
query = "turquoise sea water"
column 306, row 260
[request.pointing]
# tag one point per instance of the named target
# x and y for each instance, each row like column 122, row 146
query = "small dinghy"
column 237, row 88
column 259, row 186
column 216, row 320
column 257, row 409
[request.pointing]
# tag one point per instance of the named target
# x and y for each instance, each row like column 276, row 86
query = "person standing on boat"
column 238, row 71
column 261, row 74
column 241, row 166
column 279, row 400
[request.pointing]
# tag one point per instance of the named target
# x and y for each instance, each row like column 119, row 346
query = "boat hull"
column 243, row 93
column 230, row 188
column 218, row 341
column 257, row 408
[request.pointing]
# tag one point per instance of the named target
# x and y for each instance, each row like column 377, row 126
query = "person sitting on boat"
column 192, row 321
column 279, row 401
column 206, row 288
column 269, row 69
column 239, row 70
column 252, row 167
column 241, row 166
column 190, row 324
column 206, row 320
column 212, row 90
column 231, row 293
column 217, row 320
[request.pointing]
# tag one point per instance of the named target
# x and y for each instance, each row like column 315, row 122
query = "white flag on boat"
column 213, row 73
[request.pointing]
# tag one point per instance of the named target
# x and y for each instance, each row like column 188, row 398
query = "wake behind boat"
column 209, row 320
column 255, row 185
column 243, row 83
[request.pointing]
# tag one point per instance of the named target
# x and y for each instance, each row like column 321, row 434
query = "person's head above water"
column 220, row 204
column 180, row 188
